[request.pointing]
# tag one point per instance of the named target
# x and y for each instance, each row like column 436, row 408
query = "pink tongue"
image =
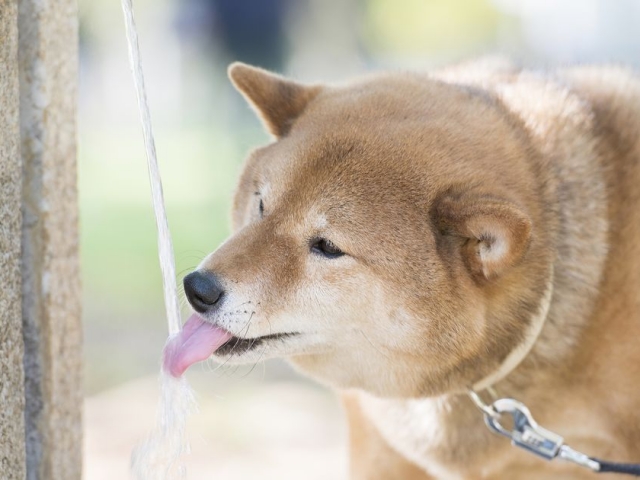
column 196, row 342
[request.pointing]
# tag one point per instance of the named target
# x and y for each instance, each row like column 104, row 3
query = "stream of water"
column 161, row 456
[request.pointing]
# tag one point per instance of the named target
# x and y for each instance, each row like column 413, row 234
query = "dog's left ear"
column 277, row 100
column 495, row 232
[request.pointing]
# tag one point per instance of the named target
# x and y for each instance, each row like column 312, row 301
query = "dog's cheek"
column 352, row 313
column 332, row 299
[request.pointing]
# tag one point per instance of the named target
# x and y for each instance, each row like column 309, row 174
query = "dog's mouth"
column 198, row 340
column 238, row 345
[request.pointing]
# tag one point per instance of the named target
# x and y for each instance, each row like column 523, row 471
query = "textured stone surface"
column 51, row 300
column 40, row 333
column 12, row 451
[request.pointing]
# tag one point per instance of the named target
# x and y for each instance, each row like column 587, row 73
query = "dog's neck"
column 519, row 353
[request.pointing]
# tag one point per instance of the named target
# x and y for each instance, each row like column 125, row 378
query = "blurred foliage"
column 430, row 27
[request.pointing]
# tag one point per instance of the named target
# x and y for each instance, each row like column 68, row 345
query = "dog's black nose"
column 203, row 290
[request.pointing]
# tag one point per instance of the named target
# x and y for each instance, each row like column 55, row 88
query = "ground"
column 247, row 427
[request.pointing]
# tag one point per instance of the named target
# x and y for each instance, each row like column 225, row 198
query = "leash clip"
column 527, row 434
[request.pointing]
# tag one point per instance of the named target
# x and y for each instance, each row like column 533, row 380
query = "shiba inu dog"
column 408, row 237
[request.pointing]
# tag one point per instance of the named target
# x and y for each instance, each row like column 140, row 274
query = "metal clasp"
column 526, row 433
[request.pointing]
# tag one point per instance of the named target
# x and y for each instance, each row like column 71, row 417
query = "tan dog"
column 410, row 236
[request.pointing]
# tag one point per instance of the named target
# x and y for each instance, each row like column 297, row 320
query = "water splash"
column 161, row 456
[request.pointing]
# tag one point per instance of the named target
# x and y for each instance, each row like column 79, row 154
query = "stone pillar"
column 40, row 333
column 12, row 434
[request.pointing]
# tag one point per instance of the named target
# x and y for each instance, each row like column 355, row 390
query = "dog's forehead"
column 384, row 144
column 333, row 179
column 333, row 167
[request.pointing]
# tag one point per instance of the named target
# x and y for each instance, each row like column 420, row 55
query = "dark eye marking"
column 260, row 205
column 326, row 248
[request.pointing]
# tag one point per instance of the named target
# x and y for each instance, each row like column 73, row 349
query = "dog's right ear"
column 277, row 100
column 495, row 233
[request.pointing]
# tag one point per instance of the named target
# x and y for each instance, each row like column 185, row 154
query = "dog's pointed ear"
column 277, row 100
column 495, row 233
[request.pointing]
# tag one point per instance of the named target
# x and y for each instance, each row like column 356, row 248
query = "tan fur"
column 475, row 205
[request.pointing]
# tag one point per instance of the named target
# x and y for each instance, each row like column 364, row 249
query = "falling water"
column 161, row 456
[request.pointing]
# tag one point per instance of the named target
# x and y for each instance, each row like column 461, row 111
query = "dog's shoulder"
column 613, row 92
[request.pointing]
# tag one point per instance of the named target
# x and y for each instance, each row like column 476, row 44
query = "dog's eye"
column 261, row 208
column 326, row 248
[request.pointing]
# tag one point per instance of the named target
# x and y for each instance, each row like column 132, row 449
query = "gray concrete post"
column 40, row 332
column 12, row 433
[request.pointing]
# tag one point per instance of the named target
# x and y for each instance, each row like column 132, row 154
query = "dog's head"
column 391, row 238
